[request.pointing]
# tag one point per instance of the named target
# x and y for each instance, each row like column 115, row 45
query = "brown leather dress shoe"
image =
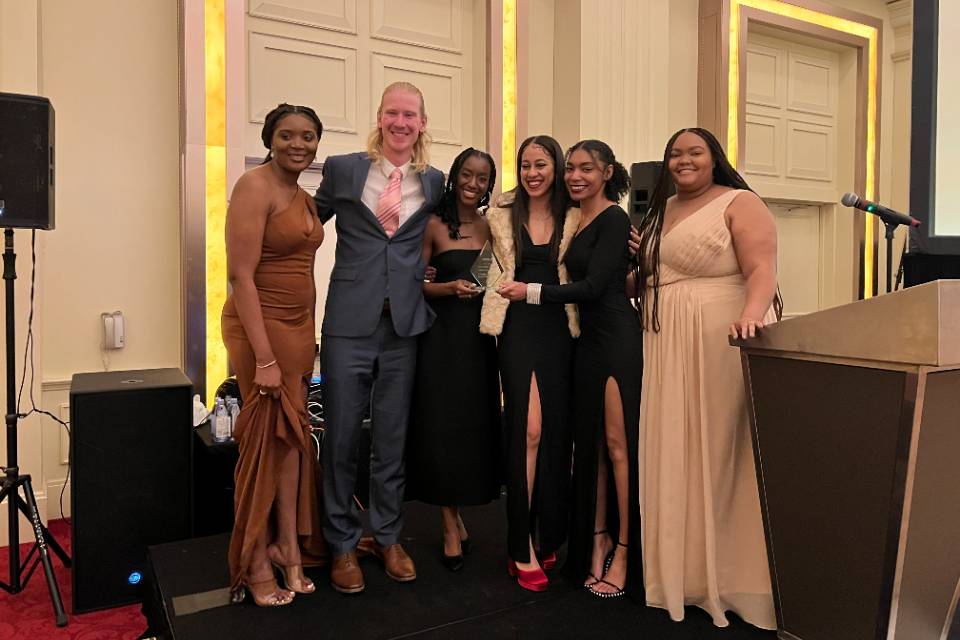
column 345, row 575
column 396, row 562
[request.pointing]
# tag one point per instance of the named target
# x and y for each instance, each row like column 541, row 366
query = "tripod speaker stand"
column 26, row 202
column 12, row 482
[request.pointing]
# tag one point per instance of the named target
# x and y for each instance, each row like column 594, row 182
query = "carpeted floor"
column 480, row 602
column 29, row 614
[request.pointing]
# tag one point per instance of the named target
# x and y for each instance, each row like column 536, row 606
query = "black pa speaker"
column 919, row 268
column 26, row 162
column 643, row 178
column 131, row 485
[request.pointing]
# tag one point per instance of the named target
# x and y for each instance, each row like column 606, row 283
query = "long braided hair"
column 647, row 266
column 280, row 112
column 447, row 210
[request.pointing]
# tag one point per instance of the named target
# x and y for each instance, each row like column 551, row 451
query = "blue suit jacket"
column 371, row 267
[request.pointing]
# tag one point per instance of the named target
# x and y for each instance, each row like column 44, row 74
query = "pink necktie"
column 388, row 207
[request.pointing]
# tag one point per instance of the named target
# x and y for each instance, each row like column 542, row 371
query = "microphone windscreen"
column 850, row 199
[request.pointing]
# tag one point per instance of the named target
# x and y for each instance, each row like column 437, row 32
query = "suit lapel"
column 360, row 172
column 427, row 188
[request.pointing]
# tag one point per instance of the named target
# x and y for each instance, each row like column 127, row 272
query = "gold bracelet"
column 269, row 364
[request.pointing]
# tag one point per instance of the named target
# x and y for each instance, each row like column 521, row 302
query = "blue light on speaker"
column 135, row 577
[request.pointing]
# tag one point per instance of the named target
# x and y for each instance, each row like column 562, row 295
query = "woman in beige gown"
column 710, row 272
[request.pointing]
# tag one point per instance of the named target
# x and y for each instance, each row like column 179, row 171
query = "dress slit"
column 599, row 427
column 609, row 348
column 532, row 507
column 536, row 341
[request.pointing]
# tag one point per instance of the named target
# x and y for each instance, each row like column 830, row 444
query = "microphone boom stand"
column 11, row 481
column 891, row 228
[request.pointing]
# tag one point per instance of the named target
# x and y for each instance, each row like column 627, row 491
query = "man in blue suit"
column 382, row 199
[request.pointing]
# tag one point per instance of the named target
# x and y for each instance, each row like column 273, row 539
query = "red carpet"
column 29, row 614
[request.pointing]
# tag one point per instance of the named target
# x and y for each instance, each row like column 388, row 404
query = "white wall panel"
column 327, row 80
column 798, row 257
column 792, row 117
column 763, row 80
column 441, row 87
column 336, row 15
column 435, row 24
column 764, row 144
column 812, row 85
column 811, row 151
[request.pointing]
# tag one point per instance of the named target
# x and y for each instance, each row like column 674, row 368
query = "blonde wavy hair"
column 421, row 148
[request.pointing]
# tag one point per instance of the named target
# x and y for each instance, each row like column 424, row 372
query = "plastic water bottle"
column 233, row 408
column 220, row 425
column 199, row 411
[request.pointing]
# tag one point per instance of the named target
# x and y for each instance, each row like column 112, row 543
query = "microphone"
column 889, row 216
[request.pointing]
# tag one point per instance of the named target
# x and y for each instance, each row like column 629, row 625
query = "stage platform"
column 480, row 601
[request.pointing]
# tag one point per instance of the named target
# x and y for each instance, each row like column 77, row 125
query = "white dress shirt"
column 411, row 189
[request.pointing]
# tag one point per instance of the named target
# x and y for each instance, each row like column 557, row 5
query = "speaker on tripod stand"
column 26, row 202
column 26, row 162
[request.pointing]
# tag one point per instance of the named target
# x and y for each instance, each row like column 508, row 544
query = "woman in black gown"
column 531, row 228
column 453, row 446
column 608, row 364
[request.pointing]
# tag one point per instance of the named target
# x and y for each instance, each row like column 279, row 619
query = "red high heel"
column 535, row 580
column 549, row 562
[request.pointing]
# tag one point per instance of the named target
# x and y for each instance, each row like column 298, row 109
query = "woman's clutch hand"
column 746, row 328
column 513, row 291
column 268, row 379
column 430, row 274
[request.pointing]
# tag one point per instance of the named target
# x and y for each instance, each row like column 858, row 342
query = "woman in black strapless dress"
column 453, row 444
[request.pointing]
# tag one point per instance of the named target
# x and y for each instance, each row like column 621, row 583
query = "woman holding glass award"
column 531, row 229
column 604, row 537
column 453, row 444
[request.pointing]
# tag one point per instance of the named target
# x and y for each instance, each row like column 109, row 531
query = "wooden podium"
column 855, row 415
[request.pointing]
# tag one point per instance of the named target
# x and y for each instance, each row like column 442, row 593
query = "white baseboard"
column 55, row 385
column 26, row 530
column 52, row 511
column 49, row 510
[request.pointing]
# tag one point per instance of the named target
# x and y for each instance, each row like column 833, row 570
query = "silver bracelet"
column 533, row 293
column 269, row 364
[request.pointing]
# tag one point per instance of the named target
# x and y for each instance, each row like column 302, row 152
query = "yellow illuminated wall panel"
column 216, row 190
column 508, row 147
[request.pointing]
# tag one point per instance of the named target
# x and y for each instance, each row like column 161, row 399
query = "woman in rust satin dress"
column 272, row 234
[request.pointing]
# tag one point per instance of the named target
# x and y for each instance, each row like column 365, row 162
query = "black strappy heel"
column 606, row 563
column 619, row 590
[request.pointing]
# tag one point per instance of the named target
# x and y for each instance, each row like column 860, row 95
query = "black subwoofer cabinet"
column 131, row 485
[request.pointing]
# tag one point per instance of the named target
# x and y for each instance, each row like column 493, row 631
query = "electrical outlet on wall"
column 114, row 336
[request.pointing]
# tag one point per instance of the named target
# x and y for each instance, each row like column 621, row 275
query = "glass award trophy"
column 485, row 263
